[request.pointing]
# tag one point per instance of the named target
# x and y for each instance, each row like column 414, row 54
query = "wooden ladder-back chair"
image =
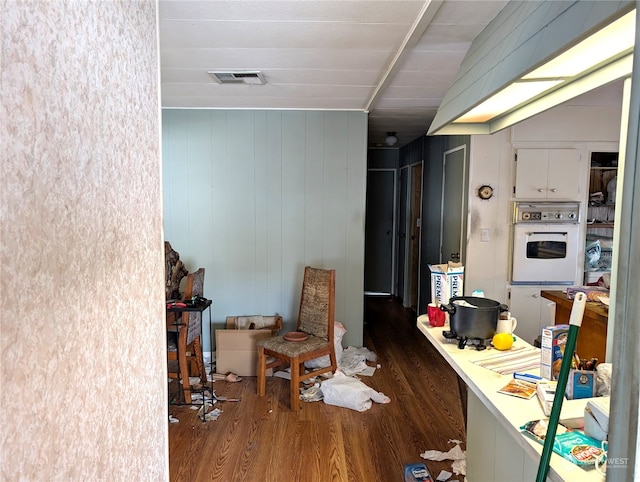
column 189, row 345
column 315, row 318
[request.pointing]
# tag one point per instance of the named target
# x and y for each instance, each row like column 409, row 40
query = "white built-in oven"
column 545, row 242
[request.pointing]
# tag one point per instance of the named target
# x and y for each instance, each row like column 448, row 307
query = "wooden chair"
column 315, row 318
column 189, row 345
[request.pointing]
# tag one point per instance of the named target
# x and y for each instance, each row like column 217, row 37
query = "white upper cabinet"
column 548, row 174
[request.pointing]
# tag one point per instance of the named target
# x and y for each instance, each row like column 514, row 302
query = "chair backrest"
column 174, row 271
column 317, row 302
column 194, row 287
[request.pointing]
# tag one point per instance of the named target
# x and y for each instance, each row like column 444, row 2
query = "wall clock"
column 485, row 192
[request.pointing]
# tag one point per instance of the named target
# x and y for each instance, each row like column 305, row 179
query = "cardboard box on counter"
column 554, row 340
column 447, row 281
column 236, row 350
column 581, row 384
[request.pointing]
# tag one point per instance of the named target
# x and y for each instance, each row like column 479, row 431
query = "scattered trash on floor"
column 285, row 374
column 350, row 360
column 354, row 360
column 228, row 377
column 173, row 419
column 197, row 398
column 212, row 415
column 459, row 464
column 349, row 392
column 338, row 332
column 444, row 475
column 311, row 394
column 208, row 415
column 417, row 472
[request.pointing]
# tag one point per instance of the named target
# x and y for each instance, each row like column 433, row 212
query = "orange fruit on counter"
column 502, row 341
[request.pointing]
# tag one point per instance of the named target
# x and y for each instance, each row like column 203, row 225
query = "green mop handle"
column 577, row 310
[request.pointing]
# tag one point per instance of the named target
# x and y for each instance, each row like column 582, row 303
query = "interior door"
column 379, row 229
column 453, row 205
column 414, row 231
column 402, row 237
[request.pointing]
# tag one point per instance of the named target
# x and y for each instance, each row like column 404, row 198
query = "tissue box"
column 447, row 281
column 581, row 384
column 554, row 339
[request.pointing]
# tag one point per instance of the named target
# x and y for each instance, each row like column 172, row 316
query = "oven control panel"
column 546, row 212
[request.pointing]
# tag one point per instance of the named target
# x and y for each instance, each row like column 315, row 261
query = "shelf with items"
column 602, row 190
column 600, row 215
column 602, row 182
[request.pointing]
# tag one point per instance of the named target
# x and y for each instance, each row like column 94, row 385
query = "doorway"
column 453, row 206
column 379, row 231
column 409, row 222
column 414, row 230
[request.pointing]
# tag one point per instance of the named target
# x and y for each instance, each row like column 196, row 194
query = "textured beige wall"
column 83, row 394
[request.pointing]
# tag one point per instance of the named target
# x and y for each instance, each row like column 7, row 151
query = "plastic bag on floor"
column 338, row 332
column 349, row 392
column 354, row 360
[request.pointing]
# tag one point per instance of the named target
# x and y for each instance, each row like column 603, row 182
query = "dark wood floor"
column 260, row 439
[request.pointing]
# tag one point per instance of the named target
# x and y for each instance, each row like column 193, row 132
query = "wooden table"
column 592, row 338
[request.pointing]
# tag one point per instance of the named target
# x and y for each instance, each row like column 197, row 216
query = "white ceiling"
column 392, row 58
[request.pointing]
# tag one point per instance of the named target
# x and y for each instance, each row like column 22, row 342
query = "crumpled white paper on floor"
column 354, row 360
column 459, row 464
column 443, row 475
column 349, row 392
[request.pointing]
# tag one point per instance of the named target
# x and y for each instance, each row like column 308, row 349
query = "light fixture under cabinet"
column 603, row 57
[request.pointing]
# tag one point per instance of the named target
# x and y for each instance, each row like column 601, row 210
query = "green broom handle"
column 577, row 310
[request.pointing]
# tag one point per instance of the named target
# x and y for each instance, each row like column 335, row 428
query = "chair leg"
column 333, row 361
column 295, row 384
column 197, row 348
column 262, row 372
column 184, row 367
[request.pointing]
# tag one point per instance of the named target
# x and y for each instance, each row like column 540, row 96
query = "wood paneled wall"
column 254, row 196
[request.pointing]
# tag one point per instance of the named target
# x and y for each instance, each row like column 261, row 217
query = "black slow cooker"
column 473, row 316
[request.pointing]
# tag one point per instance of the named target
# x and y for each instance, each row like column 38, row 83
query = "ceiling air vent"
column 253, row 77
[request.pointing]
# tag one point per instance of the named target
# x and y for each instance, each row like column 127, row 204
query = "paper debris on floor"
column 212, row 415
column 443, row 475
column 311, row 394
column 173, row 419
column 286, row 374
column 349, row 392
column 354, row 360
column 367, row 371
column 459, row 464
column 204, row 408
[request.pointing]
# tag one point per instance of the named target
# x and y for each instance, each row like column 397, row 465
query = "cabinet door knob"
column 553, row 190
column 540, row 190
column 536, row 296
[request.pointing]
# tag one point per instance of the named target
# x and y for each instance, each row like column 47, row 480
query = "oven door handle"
column 547, row 233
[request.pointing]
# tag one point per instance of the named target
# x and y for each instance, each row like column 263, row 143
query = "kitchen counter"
column 496, row 450
column 592, row 337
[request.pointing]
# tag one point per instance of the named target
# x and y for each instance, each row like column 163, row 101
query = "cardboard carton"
column 236, row 350
column 447, row 281
column 554, row 340
column 581, row 384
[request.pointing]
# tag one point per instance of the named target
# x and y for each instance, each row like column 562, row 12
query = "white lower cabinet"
column 532, row 311
column 493, row 454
